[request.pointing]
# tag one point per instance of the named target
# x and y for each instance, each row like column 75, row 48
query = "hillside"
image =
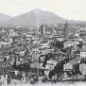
column 35, row 18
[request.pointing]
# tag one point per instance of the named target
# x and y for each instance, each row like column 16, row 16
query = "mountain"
column 4, row 17
column 35, row 18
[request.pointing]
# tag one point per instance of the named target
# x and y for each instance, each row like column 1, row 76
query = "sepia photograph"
column 42, row 42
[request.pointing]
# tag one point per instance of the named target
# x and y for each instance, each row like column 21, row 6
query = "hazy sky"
column 70, row 9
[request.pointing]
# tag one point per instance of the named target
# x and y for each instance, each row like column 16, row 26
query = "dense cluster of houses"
column 23, row 51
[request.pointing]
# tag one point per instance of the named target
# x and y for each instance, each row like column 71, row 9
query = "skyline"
column 68, row 9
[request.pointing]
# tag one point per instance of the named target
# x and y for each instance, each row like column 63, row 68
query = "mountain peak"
column 35, row 18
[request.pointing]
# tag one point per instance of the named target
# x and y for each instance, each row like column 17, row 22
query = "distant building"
column 35, row 54
column 83, row 53
column 12, row 33
column 42, row 29
column 66, row 31
column 71, row 44
column 68, row 44
column 82, row 33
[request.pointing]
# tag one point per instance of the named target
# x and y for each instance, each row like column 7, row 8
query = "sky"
column 69, row 9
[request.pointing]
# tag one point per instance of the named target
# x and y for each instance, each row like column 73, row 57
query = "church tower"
column 66, row 31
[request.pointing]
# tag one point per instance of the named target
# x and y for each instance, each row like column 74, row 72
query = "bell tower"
column 66, row 31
